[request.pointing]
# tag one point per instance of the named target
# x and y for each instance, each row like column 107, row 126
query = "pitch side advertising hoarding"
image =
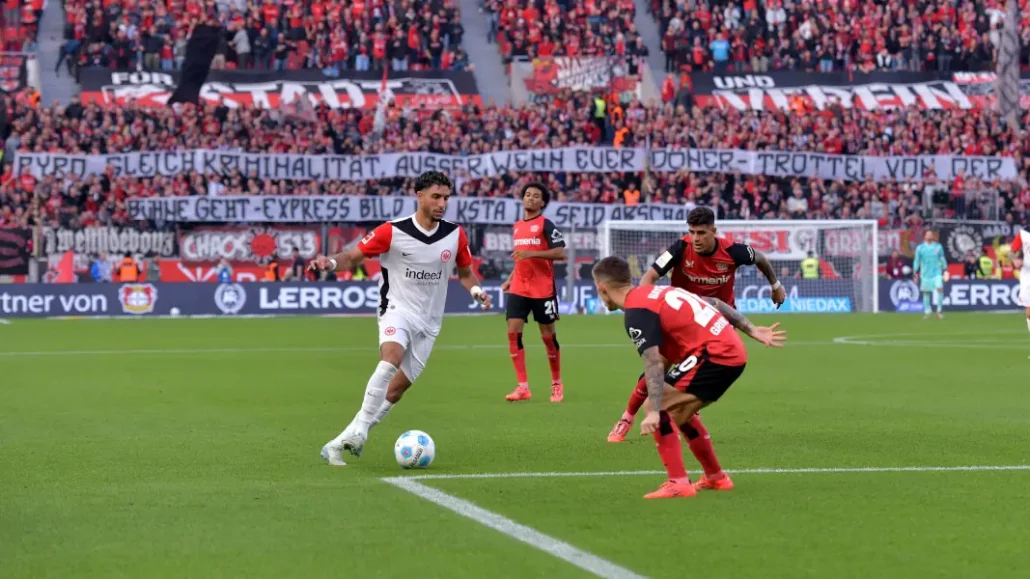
column 235, row 299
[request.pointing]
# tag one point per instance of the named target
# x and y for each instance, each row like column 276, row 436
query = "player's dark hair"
column 544, row 191
column 614, row 270
column 431, row 178
column 701, row 216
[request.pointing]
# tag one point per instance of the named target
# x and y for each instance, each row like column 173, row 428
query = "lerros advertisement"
column 979, row 295
column 238, row 299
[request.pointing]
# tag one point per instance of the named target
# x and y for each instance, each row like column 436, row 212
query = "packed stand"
column 268, row 34
column 20, row 25
column 568, row 120
column 829, row 36
column 526, row 29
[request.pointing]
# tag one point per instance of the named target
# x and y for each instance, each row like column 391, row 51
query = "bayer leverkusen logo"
column 137, row 298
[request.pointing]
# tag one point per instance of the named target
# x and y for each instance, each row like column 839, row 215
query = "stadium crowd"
column 531, row 28
column 567, row 120
column 820, row 36
column 268, row 34
column 724, row 35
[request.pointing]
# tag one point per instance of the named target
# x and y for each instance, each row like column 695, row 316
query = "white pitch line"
column 813, row 470
column 4, row 322
column 586, row 561
column 314, row 349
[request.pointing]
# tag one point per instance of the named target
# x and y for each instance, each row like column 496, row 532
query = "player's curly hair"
column 431, row 178
column 701, row 216
column 613, row 270
column 544, row 191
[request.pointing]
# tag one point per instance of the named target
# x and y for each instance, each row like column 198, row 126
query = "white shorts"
column 1024, row 292
column 418, row 344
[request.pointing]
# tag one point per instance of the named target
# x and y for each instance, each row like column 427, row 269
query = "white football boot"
column 333, row 454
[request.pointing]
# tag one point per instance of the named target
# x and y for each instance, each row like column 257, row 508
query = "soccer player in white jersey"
column 417, row 254
column 1020, row 247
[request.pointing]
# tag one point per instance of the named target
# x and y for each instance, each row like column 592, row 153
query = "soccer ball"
column 175, row 312
column 414, row 449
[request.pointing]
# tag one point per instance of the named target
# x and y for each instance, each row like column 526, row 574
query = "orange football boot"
column 557, row 392
column 618, row 433
column 721, row 484
column 671, row 490
column 520, row 393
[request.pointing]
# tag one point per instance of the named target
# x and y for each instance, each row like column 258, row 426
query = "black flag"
column 200, row 51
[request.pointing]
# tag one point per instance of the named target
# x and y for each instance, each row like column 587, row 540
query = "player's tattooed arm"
column 654, row 375
column 735, row 318
column 779, row 293
column 765, row 266
column 768, row 336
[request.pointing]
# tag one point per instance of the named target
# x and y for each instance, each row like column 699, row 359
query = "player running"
column 1020, row 246
column 690, row 357
column 928, row 271
column 417, row 254
column 538, row 244
column 704, row 265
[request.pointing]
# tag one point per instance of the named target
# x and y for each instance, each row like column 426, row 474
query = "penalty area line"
column 814, row 470
column 582, row 559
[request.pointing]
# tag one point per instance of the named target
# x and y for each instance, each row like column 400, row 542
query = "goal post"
column 847, row 251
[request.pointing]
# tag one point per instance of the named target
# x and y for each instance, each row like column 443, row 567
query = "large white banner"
column 358, row 208
column 566, row 160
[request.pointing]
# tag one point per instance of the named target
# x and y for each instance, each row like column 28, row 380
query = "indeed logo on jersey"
column 423, row 277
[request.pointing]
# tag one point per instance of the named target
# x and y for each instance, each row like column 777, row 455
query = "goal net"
column 846, row 249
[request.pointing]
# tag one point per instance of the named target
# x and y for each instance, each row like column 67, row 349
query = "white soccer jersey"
column 417, row 266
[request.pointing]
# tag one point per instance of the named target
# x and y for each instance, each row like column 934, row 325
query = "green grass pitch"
column 189, row 448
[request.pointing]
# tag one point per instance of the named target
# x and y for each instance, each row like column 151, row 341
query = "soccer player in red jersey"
column 704, row 265
column 530, row 288
column 690, row 357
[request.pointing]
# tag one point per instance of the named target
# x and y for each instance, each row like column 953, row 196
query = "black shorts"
column 701, row 377
column 544, row 310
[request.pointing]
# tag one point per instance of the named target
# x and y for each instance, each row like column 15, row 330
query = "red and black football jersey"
column 681, row 324
column 534, row 277
column 708, row 275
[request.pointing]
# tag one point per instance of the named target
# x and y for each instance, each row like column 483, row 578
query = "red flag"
column 66, row 268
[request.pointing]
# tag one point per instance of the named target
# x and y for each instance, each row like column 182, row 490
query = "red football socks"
column 670, row 449
column 700, row 443
column 636, row 400
column 518, row 357
column 553, row 357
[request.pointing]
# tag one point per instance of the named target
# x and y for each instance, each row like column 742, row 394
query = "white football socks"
column 1028, row 323
column 375, row 395
column 383, row 411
